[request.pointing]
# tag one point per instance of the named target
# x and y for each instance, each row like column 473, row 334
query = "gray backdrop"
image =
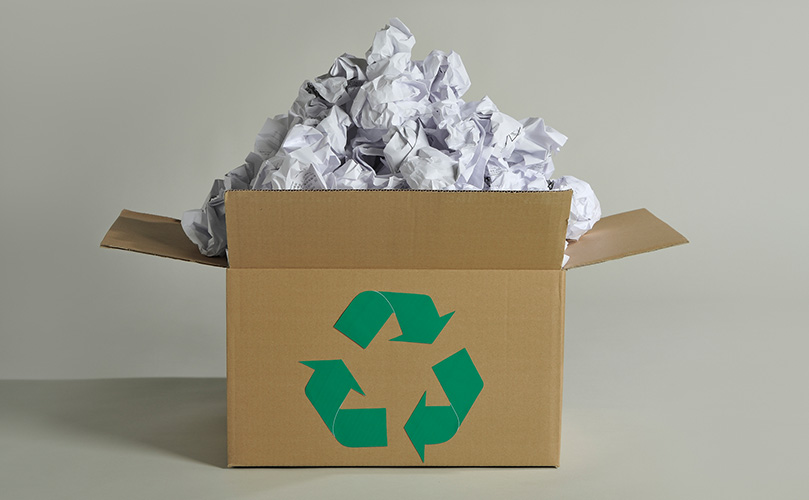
column 685, row 371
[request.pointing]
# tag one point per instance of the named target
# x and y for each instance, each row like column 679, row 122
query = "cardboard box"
column 397, row 328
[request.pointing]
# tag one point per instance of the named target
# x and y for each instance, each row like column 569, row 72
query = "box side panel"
column 397, row 229
column 509, row 323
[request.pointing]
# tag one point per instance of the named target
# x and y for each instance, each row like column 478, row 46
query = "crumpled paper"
column 585, row 210
column 386, row 121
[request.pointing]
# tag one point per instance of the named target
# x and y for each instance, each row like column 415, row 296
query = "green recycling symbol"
column 420, row 323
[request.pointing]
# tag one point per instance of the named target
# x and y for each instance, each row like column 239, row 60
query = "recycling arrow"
column 420, row 323
column 438, row 424
column 327, row 390
column 368, row 312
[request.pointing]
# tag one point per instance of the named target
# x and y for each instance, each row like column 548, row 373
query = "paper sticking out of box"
column 388, row 122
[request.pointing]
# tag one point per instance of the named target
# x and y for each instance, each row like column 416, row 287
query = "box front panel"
column 491, row 370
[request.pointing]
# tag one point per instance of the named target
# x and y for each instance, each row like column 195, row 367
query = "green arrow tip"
column 334, row 369
column 413, row 426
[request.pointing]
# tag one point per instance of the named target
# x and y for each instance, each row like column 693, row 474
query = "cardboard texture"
column 510, row 323
column 409, row 328
column 622, row 235
column 155, row 235
column 396, row 229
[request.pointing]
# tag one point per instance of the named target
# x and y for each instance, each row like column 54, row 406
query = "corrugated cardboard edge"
column 562, row 295
column 622, row 235
column 155, row 235
column 232, row 297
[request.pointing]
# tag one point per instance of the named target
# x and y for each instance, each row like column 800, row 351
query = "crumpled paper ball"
column 388, row 122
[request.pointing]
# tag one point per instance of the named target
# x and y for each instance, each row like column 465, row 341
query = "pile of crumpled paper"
column 388, row 122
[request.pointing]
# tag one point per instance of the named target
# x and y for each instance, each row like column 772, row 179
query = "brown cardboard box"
column 341, row 349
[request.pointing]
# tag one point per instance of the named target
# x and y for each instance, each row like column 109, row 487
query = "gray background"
column 685, row 372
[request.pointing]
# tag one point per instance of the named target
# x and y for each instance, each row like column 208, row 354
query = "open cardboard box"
column 341, row 349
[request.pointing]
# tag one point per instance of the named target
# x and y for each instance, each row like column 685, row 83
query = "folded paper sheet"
column 388, row 122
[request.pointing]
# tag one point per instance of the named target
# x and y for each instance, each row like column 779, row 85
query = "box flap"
column 155, row 235
column 622, row 235
column 397, row 229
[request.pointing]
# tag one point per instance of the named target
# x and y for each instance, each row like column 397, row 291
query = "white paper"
column 386, row 121
column 585, row 210
column 430, row 169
